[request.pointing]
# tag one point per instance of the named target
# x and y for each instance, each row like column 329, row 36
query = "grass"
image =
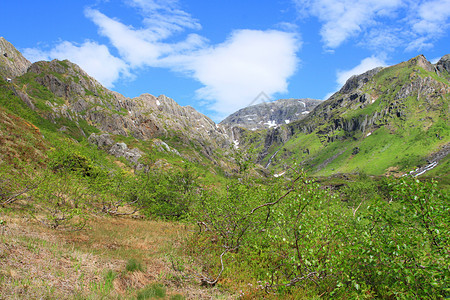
column 152, row 291
column 134, row 265
column 37, row 262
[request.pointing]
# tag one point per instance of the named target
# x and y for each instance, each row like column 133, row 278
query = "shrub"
column 134, row 265
column 154, row 290
column 393, row 243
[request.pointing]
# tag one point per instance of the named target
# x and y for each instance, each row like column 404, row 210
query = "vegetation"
column 385, row 239
column 76, row 222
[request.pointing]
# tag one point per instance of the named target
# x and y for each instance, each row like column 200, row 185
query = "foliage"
column 104, row 288
column 388, row 239
column 64, row 199
column 152, row 291
column 134, row 265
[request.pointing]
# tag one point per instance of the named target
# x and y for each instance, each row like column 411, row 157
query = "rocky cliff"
column 63, row 90
column 384, row 107
column 392, row 118
column 271, row 114
column 12, row 62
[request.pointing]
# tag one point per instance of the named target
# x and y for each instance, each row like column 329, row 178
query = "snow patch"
column 305, row 112
column 369, row 134
column 279, row 174
column 287, row 121
column 158, row 103
column 271, row 124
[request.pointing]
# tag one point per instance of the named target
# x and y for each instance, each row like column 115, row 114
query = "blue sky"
column 217, row 55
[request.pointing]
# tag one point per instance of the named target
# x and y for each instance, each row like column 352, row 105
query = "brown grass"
column 40, row 263
column 19, row 140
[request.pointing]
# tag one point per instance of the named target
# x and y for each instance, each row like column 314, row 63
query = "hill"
column 387, row 120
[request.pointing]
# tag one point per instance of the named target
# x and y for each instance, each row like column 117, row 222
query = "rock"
column 271, row 114
column 163, row 147
column 122, row 150
column 103, row 141
column 12, row 62
column 357, row 81
column 145, row 117
column 444, row 64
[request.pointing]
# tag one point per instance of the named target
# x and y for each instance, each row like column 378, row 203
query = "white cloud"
column 232, row 73
column 366, row 64
column 144, row 46
column 343, row 19
column 95, row 59
column 379, row 24
column 248, row 63
column 432, row 17
column 34, row 55
column 164, row 17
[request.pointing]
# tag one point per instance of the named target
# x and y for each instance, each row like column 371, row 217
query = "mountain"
column 271, row 114
column 77, row 105
column 387, row 120
column 12, row 62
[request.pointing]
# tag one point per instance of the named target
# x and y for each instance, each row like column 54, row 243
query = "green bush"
column 152, row 291
column 134, row 265
column 389, row 239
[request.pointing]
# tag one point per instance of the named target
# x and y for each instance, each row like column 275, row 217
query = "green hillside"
column 393, row 123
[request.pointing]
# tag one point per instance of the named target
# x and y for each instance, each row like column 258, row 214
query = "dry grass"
column 40, row 263
column 19, row 140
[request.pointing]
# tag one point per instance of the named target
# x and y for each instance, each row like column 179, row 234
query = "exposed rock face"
column 122, row 150
column 370, row 101
column 444, row 64
column 356, row 82
column 102, row 141
column 144, row 117
column 105, row 142
column 271, row 114
column 359, row 92
column 163, row 147
column 12, row 62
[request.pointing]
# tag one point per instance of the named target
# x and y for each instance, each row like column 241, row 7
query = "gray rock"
column 357, row 81
column 122, row 150
column 103, row 141
column 444, row 64
column 163, row 147
column 271, row 114
column 12, row 62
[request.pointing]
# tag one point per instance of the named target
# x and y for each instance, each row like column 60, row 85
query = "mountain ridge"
column 271, row 114
column 385, row 99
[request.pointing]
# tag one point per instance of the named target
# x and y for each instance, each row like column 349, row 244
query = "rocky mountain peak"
column 12, row 62
column 271, row 114
column 422, row 62
column 444, row 64
column 357, row 81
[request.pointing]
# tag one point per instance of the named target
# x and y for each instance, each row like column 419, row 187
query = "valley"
column 108, row 197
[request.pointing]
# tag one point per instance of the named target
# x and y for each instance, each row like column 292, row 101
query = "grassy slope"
column 399, row 144
column 39, row 262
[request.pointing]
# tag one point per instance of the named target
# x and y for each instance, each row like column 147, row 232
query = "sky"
column 218, row 56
